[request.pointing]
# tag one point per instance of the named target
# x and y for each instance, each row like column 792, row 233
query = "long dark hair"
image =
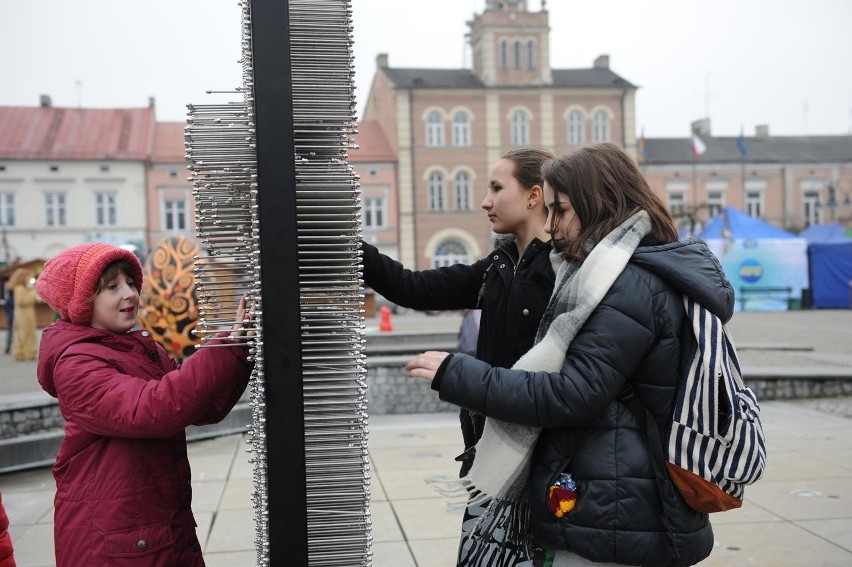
column 605, row 188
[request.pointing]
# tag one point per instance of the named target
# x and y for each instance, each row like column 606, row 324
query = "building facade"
column 791, row 182
column 447, row 127
column 170, row 206
column 71, row 175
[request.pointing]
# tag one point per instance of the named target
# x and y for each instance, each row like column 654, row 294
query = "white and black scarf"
column 500, row 469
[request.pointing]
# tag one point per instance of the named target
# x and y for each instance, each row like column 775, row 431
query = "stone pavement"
column 799, row 514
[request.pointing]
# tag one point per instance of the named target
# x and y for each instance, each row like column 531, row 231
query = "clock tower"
column 511, row 44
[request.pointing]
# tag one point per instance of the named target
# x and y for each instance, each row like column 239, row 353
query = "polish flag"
column 698, row 146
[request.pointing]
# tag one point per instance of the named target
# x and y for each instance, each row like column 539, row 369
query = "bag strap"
column 658, row 460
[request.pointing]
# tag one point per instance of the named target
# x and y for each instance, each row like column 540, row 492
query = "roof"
column 47, row 132
column 168, row 144
column 372, row 144
column 773, row 149
column 826, row 234
column 593, row 78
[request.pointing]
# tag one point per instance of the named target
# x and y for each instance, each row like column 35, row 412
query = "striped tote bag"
column 716, row 446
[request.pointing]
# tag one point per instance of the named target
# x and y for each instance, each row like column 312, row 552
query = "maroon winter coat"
column 122, row 475
column 7, row 558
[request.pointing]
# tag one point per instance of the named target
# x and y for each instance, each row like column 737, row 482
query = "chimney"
column 44, row 101
column 701, row 127
column 152, row 102
column 761, row 130
column 382, row 61
column 602, row 62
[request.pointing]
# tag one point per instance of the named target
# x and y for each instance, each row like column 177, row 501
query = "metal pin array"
column 221, row 142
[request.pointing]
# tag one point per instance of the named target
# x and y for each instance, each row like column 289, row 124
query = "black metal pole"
column 285, row 431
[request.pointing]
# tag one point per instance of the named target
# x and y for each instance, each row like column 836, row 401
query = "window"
column 520, row 135
column 434, row 129
column 754, row 203
column 531, row 55
column 811, row 210
column 450, row 252
column 715, row 203
column 517, row 47
column 436, row 191
column 7, row 209
column 677, row 204
column 754, row 189
column 600, row 127
column 461, row 129
column 374, row 212
column 105, row 213
column 504, row 54
column 575, row 128
column 463, row 195
column 54, row 209
column 174, row 214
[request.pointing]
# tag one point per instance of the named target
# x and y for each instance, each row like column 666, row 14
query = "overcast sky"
column 784, row 63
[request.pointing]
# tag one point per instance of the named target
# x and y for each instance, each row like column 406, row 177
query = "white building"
column 69, row 176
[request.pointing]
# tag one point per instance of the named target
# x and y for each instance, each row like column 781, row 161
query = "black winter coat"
column 632, row 338
column 512, row 296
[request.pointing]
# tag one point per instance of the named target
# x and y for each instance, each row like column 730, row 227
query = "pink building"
column 447, row 127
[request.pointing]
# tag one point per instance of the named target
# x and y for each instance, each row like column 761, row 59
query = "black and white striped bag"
column 716, row 446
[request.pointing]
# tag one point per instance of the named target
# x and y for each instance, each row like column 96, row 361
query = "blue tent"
column 830, row 264
column 825, row 234
column 731, row 223
column 767, row 266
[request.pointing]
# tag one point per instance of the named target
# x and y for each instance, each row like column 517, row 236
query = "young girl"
column 122, row 473
column 558, row 432
column 511, row 285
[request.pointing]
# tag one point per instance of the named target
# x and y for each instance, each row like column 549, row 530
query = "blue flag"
column 742, row 145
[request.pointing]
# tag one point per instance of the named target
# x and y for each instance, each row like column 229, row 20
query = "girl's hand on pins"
column 426, row 365
column 242, row 324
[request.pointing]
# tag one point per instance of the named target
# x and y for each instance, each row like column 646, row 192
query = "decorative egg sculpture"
column 168, row 307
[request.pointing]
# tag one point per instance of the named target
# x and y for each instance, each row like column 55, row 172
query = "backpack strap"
column 658, row 460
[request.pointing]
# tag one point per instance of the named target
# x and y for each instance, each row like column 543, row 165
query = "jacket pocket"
column 541, row 483
column 139, row 541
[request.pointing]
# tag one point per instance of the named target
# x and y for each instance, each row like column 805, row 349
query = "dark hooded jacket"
column 633, row 338
column 122, row 474
column 512, row 295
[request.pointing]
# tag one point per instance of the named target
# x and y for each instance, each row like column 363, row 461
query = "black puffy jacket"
column 632, row 338
column 511, row 294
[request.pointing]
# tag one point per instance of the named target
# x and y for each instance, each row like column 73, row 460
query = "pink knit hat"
column 70, row 278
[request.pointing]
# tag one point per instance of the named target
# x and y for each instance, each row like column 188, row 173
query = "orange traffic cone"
column 385, row 323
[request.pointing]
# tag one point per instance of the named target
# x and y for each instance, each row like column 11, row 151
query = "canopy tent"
column 830, row 262
column 826, row 234
column 767, row 266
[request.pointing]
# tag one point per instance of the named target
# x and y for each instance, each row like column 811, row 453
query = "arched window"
column 461, row 129
column 576, row 130
column 434, row 129
column 436, row 191
column 504, row 54
column 530, row 55
column 517, row 54
column 520, row 135
column 450, row 252
column 600, row 127
column 463, row 195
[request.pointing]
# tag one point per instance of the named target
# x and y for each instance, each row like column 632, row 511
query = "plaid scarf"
column 500, row 469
